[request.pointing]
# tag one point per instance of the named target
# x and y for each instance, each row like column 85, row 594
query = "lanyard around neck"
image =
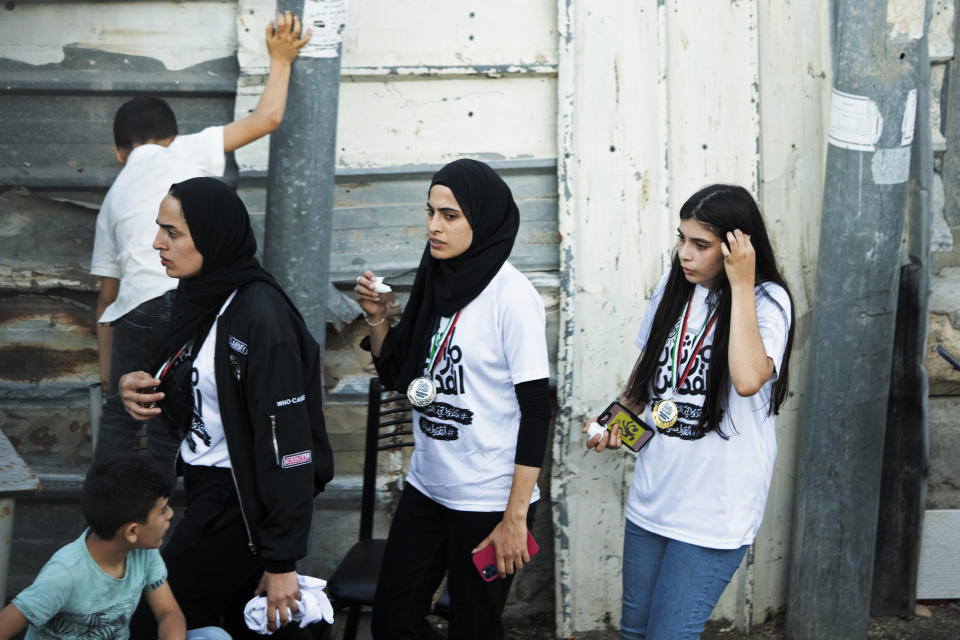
column 175, row 358
column 698, row 339
column 439, row 342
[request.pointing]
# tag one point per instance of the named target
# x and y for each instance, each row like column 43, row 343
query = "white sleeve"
column 522, row 319
column 647, row 323
column 104, row 261
column 203, row 149
column 773, row 320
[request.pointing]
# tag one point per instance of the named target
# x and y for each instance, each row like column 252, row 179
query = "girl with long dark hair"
column 712, row 375
column 470, row 351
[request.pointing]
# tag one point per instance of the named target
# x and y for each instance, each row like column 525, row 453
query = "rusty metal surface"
column 44, row 244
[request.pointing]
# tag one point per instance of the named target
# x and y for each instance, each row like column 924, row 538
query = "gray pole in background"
column 840, row 452
column 302, row 158
column 903, row 493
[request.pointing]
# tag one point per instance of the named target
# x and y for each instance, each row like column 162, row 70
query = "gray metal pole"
column 903, row 493
column 301, row 181
column 840, row 451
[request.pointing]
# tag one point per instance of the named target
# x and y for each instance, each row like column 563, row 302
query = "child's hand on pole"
column 284, row 41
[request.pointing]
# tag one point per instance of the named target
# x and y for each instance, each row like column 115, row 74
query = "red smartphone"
column 486, row 561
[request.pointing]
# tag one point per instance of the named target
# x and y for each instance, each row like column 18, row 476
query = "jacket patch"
column 288, row 401
column 296, row 459
column 236, row 345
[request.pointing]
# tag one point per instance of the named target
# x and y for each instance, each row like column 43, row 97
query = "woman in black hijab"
column 239, row 380
column 470, row 352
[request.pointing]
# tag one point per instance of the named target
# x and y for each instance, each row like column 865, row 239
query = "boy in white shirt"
column 136, row 295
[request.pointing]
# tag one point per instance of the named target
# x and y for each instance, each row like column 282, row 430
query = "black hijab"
column 220, row 227
column 442, row 287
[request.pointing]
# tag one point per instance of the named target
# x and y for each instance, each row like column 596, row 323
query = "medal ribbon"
column 436, row 352
column 166, row 367
column 698, row 339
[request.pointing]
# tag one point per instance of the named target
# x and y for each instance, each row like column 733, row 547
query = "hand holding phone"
column 634, row 432
column 485, row 560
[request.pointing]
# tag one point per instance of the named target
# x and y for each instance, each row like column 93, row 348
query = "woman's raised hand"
column 739, row 259
column 369, row 300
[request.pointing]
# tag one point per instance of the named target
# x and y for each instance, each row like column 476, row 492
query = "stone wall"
column 943, row 490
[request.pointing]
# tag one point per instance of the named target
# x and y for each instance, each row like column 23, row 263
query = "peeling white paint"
column 794, row 112
column 909, row 120
column 430, row 121
column 940, row 30
column 252, row 19
column 385, row 37
column 325, row 19
column 425, row 97
column 891, row 166
column 444, row 33
column 178, row 34
column 655, row 103
column 906, row 16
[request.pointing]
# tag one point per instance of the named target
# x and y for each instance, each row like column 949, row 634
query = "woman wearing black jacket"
column 239, row 380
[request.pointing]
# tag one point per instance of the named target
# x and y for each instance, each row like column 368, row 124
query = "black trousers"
column 426, row 541
column 210, row 567
column 137, row 337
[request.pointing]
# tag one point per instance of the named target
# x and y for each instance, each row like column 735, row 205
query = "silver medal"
column 421, row 391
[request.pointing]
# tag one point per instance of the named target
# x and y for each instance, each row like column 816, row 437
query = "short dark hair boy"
column 95, row 582
column 120, row 490
column 143, row 120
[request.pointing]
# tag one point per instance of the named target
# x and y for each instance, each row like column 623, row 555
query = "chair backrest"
column 389, row 426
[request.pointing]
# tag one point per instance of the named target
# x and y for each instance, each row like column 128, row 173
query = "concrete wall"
column 944, row 481
column 732, row 92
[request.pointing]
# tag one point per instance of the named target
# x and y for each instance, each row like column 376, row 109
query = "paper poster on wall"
column 855, row 122
column 909, row 118
column 326, row 18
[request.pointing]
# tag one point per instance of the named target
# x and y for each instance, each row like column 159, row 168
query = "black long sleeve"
column 533, row 397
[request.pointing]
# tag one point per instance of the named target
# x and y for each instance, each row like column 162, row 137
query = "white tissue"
column 595, row 429
column 379, row 287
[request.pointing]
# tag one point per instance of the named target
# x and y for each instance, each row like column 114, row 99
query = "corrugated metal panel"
column 379, row 220
column 59, row 93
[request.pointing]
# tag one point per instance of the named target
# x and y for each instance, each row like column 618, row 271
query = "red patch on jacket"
column 296, row 459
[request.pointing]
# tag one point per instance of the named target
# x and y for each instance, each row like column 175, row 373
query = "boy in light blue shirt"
column 91, row 586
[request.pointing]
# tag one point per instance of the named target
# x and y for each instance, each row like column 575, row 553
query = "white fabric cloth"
column 205, row 445
column 127, row 222
column 699, row 488
column 466, row 441
column 313, row 606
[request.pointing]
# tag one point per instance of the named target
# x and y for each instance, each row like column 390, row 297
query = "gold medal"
column 665, row 414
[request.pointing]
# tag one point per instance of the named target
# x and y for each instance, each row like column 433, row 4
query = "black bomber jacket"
column 268, row 374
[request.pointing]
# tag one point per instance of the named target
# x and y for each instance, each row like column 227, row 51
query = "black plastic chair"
column 354, row 582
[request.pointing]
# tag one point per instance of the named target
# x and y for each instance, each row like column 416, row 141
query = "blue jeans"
column 670, row 587
column 207, row 633
column 137, row 337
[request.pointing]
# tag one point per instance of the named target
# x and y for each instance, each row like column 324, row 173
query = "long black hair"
column 720, row 208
